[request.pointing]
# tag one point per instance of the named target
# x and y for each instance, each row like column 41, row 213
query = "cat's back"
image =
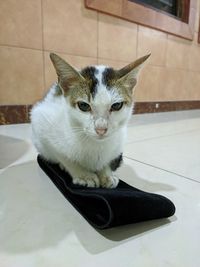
column 49, row 108
column 47, row 114
column 46, row 118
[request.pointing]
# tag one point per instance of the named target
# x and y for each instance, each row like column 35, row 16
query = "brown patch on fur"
column 82, row 89
column 78, row 90
column 75, row 88
column 125, row 92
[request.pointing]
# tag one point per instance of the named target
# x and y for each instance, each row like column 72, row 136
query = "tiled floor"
column 39, row 228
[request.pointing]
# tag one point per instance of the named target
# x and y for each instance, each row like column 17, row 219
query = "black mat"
column 106, row 208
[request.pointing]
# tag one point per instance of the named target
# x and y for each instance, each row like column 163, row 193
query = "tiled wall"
column 29, row 29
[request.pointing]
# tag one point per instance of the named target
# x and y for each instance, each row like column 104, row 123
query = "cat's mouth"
column 99, row 137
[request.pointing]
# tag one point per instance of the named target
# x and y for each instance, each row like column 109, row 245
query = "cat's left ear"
column 67, row 75
column 128, row 75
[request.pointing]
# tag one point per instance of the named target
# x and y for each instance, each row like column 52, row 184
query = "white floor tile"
column 150, row 126
column 178, row 153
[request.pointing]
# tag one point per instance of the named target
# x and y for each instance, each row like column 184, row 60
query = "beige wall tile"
column 152, row 41
column 72, row 29
column 194, row 58
column 20, row 23
column 148, row 84
column 112, row 63
column 69, row 27
column 192, row 84
column 117, row 38
column 76, row 61
column 167, row 84
column 172, row 82
column 21, row 75
column 177, row 52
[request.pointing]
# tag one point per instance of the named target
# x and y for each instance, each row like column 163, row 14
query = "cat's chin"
column 101, row 138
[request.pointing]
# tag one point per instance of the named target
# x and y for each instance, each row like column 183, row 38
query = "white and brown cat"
column 81, row 123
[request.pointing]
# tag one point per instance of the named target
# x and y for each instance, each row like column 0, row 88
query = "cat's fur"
column 87, row 144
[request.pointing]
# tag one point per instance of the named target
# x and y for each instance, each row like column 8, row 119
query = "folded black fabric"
column 106, row 208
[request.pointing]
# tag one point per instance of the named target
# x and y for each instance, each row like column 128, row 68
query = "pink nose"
column 101, row 131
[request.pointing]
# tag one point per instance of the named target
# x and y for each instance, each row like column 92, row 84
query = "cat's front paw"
column 87, row 179
column 108, row 181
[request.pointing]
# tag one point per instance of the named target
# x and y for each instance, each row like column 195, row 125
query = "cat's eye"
column 83, row 106
column 117, row 106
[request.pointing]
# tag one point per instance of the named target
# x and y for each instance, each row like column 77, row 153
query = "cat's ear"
column 67, row 75
column 128, row 75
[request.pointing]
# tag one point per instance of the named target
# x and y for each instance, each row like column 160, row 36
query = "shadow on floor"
column 11, row 150
column 128, row 174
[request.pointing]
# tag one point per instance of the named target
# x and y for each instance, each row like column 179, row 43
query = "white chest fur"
column 94, row 155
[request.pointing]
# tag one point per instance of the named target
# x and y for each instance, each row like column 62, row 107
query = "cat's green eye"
column 83, row 106
column 117, row 106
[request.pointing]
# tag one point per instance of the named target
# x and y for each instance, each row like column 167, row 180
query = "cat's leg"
column 107, row 178
column 79, row 174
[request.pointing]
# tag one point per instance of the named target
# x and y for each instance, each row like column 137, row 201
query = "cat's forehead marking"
column 98, row 77
column 89, row 73
column 102, row 86
column 102, row 96
column 109, row 76
column 106, row 76
column 99, row 73
column 112, row 80
column 105, row 94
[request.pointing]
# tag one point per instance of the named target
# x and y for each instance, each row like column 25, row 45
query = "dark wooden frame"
column 149, row 17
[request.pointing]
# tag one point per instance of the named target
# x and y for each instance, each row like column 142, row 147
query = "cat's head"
column 100, row 98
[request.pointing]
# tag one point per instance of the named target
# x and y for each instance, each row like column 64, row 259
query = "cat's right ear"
column 67, row 75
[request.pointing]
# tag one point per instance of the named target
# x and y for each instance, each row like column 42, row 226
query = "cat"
column 81, row 123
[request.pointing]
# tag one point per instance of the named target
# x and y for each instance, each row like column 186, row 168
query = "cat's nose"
column 101, row 131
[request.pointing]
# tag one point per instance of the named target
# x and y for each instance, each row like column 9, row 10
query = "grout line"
column 155, row 167
column 97, row 37
column 23, row 47
column 166, row 50
column 43, row 51
column 163, row 136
